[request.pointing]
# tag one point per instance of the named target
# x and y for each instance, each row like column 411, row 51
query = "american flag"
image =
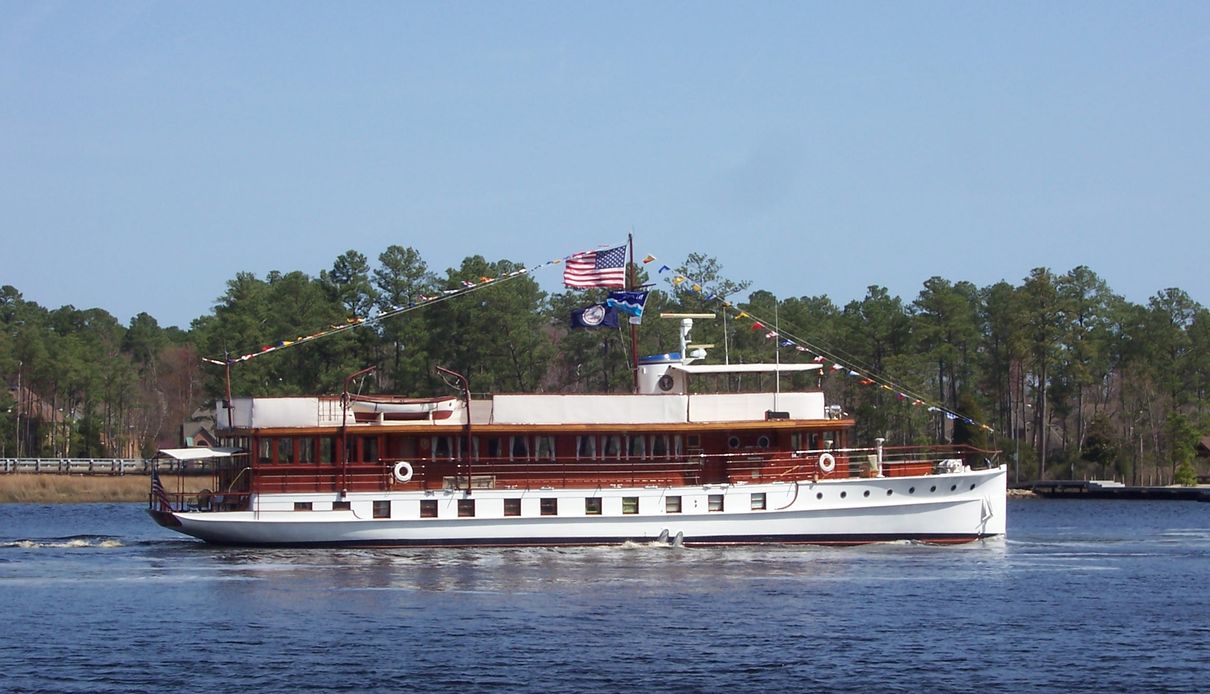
column 596, row 269
column 158, row 493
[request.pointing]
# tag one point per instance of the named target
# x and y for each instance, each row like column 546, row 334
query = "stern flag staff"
column 605, row 268
column 157, row 491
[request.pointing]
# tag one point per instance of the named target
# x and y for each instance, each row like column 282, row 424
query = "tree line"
column 1066, row 377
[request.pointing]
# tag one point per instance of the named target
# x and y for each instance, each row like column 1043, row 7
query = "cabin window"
column 264, row 451
column 442, row 448
column 428, row 508
column 694, row 441
column 285, row 450
column 611, row 446
column 550, row 507
column 630, row 504
column 327, row 449
column 659, row 446
column 341, row 506
column 813, row 441
column 796, row 441
column 490, row 448
column 637, row 447
column 678, row 448
column 592, row 506
column 306, row 450
column 715, row 502
column 544, row 447
column 382, row 508
column 586, row 447
column 302, row 505
column 758, row 501
column 512, row 507
column 672, row 504
column 466, row 508
column 518, row 448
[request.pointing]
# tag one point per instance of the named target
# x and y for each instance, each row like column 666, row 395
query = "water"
column 1082, row 596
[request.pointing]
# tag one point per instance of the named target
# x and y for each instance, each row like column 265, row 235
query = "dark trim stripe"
column 705, row 541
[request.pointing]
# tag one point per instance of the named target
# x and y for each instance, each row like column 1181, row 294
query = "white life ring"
column 827, row 463
column 403, row 471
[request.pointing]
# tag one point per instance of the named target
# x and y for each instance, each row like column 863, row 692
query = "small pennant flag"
column 648, row 259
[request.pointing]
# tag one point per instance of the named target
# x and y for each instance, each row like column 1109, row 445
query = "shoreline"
column 81, row 489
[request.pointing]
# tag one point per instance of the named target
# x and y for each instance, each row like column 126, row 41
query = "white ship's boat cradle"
column 715, row 468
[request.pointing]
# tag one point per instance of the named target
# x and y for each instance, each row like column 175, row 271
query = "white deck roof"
column 199, row 453
column 743, row 368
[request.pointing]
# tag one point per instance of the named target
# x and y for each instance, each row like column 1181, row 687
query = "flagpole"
column 634, row 338
column 776, row 354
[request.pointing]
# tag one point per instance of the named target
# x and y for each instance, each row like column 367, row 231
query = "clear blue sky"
column 149, row 151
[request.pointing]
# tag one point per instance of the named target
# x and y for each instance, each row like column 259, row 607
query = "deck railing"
column 749, row 466
column 96, row 466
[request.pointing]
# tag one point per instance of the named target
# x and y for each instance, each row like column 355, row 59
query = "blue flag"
column 630, row 303
column 595, row 316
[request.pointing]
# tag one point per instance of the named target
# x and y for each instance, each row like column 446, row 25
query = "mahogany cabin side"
column 361, row 458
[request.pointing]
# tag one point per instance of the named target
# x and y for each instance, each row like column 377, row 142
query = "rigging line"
column 877, row 378
column 381, row 316
column 354, row 322
column 883, row 381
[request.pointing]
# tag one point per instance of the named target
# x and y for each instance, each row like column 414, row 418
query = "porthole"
column 890, row 492
column 911, row 490
column 953, row 487
column 972, row 485
column 866, row 493
column 819, row 495
column 733, row 442
column 843, row 494
column 763, row 442
column 932, row 488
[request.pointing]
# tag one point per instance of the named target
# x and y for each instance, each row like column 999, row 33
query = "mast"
column 467, row 452
column 634, row 339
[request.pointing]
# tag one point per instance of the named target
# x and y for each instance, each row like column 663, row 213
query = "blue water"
column 1081, row 596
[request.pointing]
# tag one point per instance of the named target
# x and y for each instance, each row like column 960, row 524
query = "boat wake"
column 71, row 542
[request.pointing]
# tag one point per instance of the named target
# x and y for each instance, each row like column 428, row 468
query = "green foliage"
column 1185, row 474
column 496, row 336
column 1101, row 445
column 1081, row 380
column 401, row 278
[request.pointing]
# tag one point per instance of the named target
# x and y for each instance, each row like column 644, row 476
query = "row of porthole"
column 889, row 492
column 733, row 442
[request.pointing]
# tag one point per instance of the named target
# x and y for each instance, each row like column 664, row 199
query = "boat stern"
column 166, row 519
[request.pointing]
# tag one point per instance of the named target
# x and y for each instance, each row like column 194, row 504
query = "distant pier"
column 1101, row 489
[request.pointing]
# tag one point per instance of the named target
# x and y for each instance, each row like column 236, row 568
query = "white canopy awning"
column 743, row 368
column 199, row 453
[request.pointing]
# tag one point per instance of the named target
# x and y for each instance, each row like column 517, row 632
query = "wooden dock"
column 1100, row 489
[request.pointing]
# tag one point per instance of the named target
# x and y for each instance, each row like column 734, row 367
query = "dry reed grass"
column 75, row 489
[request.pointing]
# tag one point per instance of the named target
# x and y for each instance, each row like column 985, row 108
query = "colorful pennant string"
column 823, row 356
column 421, row 301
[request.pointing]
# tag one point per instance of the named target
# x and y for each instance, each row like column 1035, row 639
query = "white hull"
column 954, row 507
